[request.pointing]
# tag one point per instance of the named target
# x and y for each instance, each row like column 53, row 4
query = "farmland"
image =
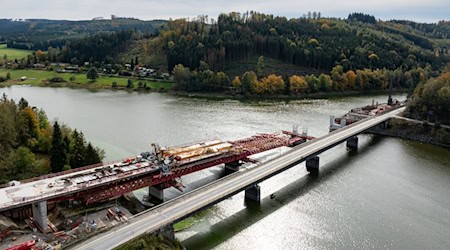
column 12, row 54
column 44, row 77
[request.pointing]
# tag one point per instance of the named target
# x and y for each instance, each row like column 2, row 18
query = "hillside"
column 354, row 43
column 234, row 42
column 41, row 33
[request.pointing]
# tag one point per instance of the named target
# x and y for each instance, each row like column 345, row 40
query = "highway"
column 178, row 208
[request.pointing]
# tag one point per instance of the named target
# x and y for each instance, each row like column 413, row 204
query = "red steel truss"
column 242, row 149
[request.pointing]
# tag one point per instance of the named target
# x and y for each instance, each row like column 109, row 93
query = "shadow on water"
column 254, row 211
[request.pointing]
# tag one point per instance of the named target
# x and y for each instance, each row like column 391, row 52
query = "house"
column 39, row 66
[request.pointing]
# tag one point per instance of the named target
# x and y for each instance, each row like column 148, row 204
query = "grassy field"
column 12, row 54
column 42, row 77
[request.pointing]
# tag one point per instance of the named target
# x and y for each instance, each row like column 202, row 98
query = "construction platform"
column 160, row 165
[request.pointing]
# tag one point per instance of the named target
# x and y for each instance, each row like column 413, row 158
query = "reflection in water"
column 390, row 194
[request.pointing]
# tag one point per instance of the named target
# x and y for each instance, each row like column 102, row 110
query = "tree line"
column 39, row 34
column 30, row 146
column 258, row 83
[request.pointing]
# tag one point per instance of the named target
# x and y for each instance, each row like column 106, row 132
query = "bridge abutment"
column 312, row 164
column 352, row 143
column 40, row 214
column 253, row 193
column 156, row 194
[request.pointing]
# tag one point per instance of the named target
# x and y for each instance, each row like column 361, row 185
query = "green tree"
column 57, row 152
column 222, row 79
column 92, row 156
column 78, row 151
column 130, row 84
column 92, row 74
column 8, row 75
column 23, row 103
column 260, row 67
column 181, row 76
column 249, row 79
column 21, row 163
column 325, row 82
column 313, row 83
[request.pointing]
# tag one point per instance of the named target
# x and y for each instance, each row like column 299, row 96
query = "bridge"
column 157, row 169
column 188, row 204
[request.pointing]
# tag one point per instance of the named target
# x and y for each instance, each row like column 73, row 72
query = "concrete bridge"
column 164, row 215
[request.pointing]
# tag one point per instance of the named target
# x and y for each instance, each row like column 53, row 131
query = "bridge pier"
column 352, row 143
column 156, row 194
column 232, row 167
column 312, row 164
column 167, row 232
column 253, row 193
column 40, row 214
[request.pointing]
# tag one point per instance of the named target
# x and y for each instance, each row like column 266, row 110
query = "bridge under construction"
column 158, row 168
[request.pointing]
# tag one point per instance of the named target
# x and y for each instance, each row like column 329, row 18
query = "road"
column 173, row 210
column 419, row 121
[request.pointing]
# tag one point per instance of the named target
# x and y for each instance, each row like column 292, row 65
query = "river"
column 391, row 194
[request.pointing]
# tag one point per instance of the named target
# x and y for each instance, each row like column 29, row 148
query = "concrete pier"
column 253, row 193
column 156, row 194
column 167, row 232
column 352, row 143
column 312, row 165
column 40, row 214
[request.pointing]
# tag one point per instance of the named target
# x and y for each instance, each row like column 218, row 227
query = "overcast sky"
column 417, row 10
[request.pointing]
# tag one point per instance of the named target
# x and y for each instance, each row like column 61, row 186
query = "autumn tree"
column 351, row 79
column 298, row 84
column 273, row 84
column 236, row 82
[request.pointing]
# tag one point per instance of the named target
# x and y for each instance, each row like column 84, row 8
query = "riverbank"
column 422, row 132
column 43, row 78
column 320, row 95
column 149, row 241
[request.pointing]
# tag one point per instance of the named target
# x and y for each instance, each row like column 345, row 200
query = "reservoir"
column 391, row 194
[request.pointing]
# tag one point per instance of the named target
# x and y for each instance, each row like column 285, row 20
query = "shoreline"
column 211, row 96
column 414, row 131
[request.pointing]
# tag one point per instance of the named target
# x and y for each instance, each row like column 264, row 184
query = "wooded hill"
column 355, row 43
column 233, row 42
column 37, row 34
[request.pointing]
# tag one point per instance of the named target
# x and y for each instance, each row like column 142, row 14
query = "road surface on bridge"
column 178, row 208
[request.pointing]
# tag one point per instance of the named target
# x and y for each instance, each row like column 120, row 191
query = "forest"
column 320, row 43
column 431, row 100
column 31, row 146
column 39, row 34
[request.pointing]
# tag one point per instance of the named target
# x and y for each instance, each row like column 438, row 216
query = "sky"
column 416, row 10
